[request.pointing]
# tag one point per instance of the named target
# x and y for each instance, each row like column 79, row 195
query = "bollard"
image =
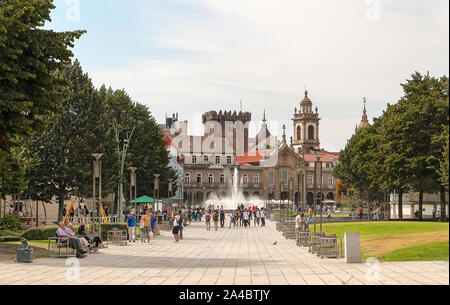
column 352, row 248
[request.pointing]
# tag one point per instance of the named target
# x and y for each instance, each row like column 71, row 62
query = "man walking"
column 216, row 220
column 299, row 222
column 131, row 226
column 208, row 221
column 263, row 217
column 222, row 218
column 147, row 221
column 176, row 227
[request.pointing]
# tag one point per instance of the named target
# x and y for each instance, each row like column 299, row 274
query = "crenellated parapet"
column 227, row 116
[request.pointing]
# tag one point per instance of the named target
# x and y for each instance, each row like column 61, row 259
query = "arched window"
column 299, row 133
column 311, row 133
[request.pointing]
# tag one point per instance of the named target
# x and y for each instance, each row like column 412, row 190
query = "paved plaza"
column 228, row 257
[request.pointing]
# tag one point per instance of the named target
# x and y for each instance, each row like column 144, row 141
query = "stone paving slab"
column 238, row 256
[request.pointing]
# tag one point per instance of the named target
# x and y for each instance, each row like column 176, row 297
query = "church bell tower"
column 306, row 127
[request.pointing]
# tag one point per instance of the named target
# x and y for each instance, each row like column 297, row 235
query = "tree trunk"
column 400, row 204
column 45, row 213
column 60, row 206
column 420, row 205
column 443, row 205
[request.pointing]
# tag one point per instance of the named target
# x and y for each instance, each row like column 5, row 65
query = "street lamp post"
column 321, row 195
column 156, row 188
column 97, row 174
column 291, row 194
column 133, row 184
column 169, row 191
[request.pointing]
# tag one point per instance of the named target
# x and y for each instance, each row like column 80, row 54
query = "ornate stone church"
column 270, row 170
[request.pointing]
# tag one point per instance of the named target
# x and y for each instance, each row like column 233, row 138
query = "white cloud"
column 264, row 52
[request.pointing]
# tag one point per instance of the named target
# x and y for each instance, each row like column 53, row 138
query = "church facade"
column 300, row 171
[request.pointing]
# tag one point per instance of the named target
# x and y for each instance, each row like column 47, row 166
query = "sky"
column 194, row 56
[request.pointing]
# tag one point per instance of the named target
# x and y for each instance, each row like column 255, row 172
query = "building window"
column 218, row 160
column 271, row 178
column 187, row 179
column 256, row 179
column 285, row 177
column 327, row 165
column 330, row 181
column 310, row 180
column 299, row 132
column 211, row 178
column 222, row 178
column 311, row 133
column 245, row 179
column 229, row 160
column 199, row 178
column 194, row 159
column 206, row 159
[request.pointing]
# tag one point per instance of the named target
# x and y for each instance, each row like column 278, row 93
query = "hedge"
column 40, row 233
column 10, row 222
column 50, row 231
column 9, row 238
column 109, row 226
column 10, row 233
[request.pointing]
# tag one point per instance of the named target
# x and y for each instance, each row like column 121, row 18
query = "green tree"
column 30, row 56
column 359, row 165
column 62, row 155
column 147, row 149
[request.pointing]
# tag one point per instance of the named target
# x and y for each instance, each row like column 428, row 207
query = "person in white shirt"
column 299, row 220
column 246, row 218
column 263, row 217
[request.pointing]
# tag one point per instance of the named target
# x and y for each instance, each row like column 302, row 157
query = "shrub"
column 108, row 227
column 9, row 238
column 10, row 233
column 40, row 233
column 10, row 222
column 50, row 231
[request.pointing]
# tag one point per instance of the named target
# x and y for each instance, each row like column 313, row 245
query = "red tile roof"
column 325, row 158
column 309, row 157
column 252, row 157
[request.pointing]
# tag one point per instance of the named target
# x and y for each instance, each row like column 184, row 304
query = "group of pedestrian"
column 147, row 225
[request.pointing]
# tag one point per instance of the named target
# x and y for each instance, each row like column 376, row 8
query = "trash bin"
column 25, row 253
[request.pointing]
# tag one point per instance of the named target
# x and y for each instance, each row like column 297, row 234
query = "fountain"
column 237, row 195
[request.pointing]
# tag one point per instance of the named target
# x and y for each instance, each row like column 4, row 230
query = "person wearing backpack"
column 208, row 221
column 216, row 220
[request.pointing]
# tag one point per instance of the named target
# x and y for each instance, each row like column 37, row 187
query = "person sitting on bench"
column 74, row 242
column 82, row 232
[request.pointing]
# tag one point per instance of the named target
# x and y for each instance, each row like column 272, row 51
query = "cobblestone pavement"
column 226, row 257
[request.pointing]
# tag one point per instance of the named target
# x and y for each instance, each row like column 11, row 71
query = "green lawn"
column 383, row 228
column 398, row 241
column 424, row 252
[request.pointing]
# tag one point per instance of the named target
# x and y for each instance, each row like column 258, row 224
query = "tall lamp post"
column 156, row 188
column 97, row 174
column 291, row 195
column 169, row 191
column 321, row 195
column 133, row 184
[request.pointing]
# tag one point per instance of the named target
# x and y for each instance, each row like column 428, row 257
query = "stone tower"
column 306, row 127
column 365, row 120
column 232, row 118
